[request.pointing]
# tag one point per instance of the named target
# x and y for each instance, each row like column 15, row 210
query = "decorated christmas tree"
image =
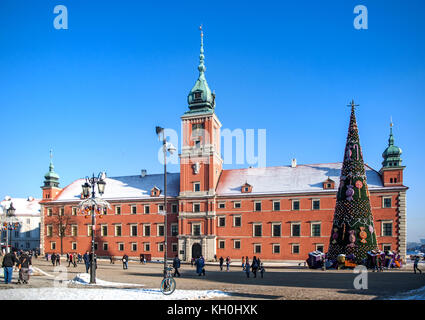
column 352, row 230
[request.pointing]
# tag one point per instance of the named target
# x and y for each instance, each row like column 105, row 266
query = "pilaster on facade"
column 402, row 225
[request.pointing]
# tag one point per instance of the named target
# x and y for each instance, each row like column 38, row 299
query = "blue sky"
column 94, row 93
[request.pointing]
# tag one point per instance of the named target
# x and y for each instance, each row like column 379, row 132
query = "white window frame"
column 101, row 230
column 294, row 245
column 234, row 244
column 235, row 203
column 118, row 208
column 61, row 211
column 196, row 184
column 312, row 203
column 253, row 229
column 222, row 203
column 295, row 223
column 159, row 208
column 144, row 246
column 123, row 246
column 132, row 244
column 196, row 204
column 382, row 228
column 146, row 206
column 383, row 202
column 49, row 212
column 49, row 230
column 311, row 228
column 321, row 245
column 276, row 224
column 274, row 245
column 144, row 229
column 74, row 227
column 53, row 245
column 73, row 245
column 176, row 246
column 276, row 201
column 174, row 206
column 89, row 230
column 293, row 204
column 255, row 246
column 115, row 229
column 193, row 228
column 234, row 218
column 158, row 225
column 171, row 229
column 255, row 206
column 74, row 211
column 131, row 209
column 103, row 246
column 219, row 219
column 386, row 245
column 159, row 247
column 223, row 242
column 131, row 229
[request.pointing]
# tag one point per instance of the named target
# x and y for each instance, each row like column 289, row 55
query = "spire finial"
column 391, row 138
column 352, row 104
column 201, row 66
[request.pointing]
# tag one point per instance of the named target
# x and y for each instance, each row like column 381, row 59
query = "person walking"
column 243, row 264
column 247, row 266
column 111, row 260
column 125, row 262
column 192, row 261
column 9, row 260
column 227, row 263
column 70, row 259
column 262, row 270
column 24, row 264
column 86, row 259
column 58, row 259
column 176, row 266
column 254, row 266
column 67, row 257
column 53, row 258
column 415, row 264
column 221, row 263
column 200, row 263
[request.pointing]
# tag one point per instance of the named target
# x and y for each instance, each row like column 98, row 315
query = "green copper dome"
column 392, row 154
column 51, row 178
column 200, row 98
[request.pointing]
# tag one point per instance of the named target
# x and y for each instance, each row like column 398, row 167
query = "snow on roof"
column 127, row 187
column 302, row 178
column 23, row 206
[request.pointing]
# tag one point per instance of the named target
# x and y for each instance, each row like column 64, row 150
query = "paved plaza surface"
column 278, row 283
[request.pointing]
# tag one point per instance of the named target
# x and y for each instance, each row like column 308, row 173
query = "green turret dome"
column 51, row 178
column 392, row 154
column 200, row 98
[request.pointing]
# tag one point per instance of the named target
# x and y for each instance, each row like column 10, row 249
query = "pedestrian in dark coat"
column 176, row 266
column 227, row 263
column 200, row 263
column 247, row 267
column 254, row 266
column 24, row 264
column 58, row 259
column 262, row 270
column 53, row 258
column 415, row 265
column 125, row 262
column 86, row 259
column 221, row 263
column 9, row 260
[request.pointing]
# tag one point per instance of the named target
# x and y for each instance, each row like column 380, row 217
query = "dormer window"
column 197, row 95
column 329, row 184
column 246, row 188
column 155, row 192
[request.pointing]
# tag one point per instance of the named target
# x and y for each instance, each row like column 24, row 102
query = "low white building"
column 27, row 236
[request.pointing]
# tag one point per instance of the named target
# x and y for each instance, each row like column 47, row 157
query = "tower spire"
column 201, row 66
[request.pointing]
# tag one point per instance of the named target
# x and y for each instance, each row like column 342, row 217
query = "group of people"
column 256, row 266
column 221, row 260
column 23, row 262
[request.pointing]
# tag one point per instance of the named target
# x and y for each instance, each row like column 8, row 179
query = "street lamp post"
column 166, row 147
column 92, row 206
column 9, row 223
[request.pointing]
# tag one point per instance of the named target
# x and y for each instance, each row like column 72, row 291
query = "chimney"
column 294, row 163
column 144, row 172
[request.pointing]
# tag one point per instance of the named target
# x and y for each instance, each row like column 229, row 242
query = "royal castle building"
column 276, row 213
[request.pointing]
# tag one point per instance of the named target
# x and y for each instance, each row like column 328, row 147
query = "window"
column 222, row 205
column 89, row 230
column 117, row 209
column 258, row 230
column 276, row 248
column 74, row 246
column 160, row 247
column 257, row 248
column 276, row 205
column 61, row 211
column 196, row 229
column 196, row 207
column 105, row 246
column 28, row 221
column 236, row 244
column 174, row 247
column 133, row 229
column 133, row 209
column 120, row 246
column 49, row 230
column 160, row 230
column 328, row 186
column 320, row 247
column 146, row 209
column 316, row 204
column 104, row 230
column 387, row 229
column 146, row 230
column 221, row 244
column 197, row 95
column 174, row 229
column 295, row 229
column 221, row 221
column 49, row 212
column 118, row 230
column 174, row 208
column 74, row 230
column 53, row 245
column 147, row 247
column 197, row 144
column 391, row 180
column 74, row 211
column 295, row 204
column 160, row 208
column 236, row 205
column 197, row 127
column 257, row 206
column 395, row 180
column 315, row 229
column 386, row 247
column 133, row 246
column 276, row 229
column 295, row 248
column 237, row 221
column 387, row 203
column 196, row 186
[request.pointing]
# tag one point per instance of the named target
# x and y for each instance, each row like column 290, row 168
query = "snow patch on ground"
column 417, row 294
column 84, row 279
column 57, row 293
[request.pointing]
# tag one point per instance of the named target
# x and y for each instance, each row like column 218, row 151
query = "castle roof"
column 23, row 206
